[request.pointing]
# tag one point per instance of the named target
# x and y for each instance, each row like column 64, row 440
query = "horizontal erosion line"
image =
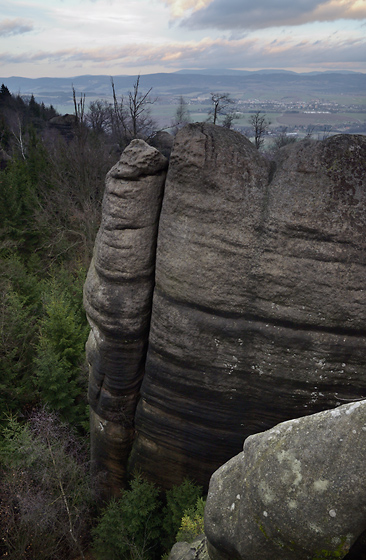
column 252, row 319
column 135, row 178
column 143, row 276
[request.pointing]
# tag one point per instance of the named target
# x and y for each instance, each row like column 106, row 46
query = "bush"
column 20, row 296
column 46, row 500
column 60, row 352
column 192, row 524
column 43, row 330
column 129, row 528
column 178, row 500
column 138, row 527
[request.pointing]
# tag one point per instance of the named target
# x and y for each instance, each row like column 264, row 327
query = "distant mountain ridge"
column 265, row 84
column 233, row 72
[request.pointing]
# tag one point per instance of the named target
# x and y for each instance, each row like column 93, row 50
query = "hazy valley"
column 324, row 103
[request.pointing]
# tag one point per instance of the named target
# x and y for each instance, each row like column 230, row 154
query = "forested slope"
column 52, row 172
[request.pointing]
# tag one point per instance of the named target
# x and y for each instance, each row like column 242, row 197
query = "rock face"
column 197, row 550
column 162, row 141
column 117, row 299
column 296, row 492
column 259, row 307
column 194, row 393
column 65, row 124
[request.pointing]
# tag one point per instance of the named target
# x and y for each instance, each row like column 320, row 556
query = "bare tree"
column 132, row 119
column 283, row 139
column 260, row 126
column 229, row 118
column 98, row 116
column 219, row 102
column 182, row 115
column 46, row 495
column 72, row 210
column 118, row 119
column 326, row 132
column 79, row 107
column 309, row 131
column 139, row 113
column 18, row 134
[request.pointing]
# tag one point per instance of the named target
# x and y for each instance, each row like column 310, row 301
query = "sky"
column 66, row 38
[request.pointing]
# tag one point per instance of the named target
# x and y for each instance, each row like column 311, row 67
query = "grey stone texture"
column 259, row 308
column 296, row 491
column 224, row 299
column 197, row 550
column 117, row 299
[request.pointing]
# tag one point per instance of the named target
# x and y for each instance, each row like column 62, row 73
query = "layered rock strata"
column 117, row 298
column 194, row 394
column 258, row 311
column 259, row 308
column 295, row 492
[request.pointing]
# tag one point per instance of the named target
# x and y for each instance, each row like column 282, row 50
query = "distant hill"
column 231, row 72
column 262, row 84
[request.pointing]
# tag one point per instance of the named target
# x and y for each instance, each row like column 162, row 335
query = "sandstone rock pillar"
column 259, row 311
column 196, row 403
column 117, row 298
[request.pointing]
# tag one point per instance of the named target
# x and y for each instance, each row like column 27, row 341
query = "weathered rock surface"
column 65, row 125
column 193, row 394
column 296, row 492
column 117, row 299
column 162, row 141
column 259, row 309
column 4, row 159
column 197, row 550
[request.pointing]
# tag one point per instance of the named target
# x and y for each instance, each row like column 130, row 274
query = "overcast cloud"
column 246, row 14
column 73, row 37
column 14, row 27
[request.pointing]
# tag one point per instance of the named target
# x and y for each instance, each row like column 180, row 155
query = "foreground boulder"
column 296, row 492
column 117, row 298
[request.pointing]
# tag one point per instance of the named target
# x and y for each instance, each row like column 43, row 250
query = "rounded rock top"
column 139, row 159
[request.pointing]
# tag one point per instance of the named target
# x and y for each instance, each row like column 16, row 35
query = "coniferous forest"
column 52, row 171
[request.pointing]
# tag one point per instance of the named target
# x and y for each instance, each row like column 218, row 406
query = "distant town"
column 297, row 118
column 298, row 105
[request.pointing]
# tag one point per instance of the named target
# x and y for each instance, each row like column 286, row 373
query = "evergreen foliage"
column 43, row 331
column 20, row 307
column 192, row 522
column 130, row 528
column 60, row 354
column 138, row 526
column 51, row 188
column 179, row 499
column 50, row 197
column 17, row 330
column 18, row 199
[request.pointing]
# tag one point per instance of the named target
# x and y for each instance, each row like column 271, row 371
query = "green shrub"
column 20, row 297
column 19, row 203
column 178, row 500
column 129, row 528
column 43, row 330
column 192, row 523
column 138, row 527
column 60, row 353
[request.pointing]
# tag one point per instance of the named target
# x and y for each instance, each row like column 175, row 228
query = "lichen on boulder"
column 295, row 492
